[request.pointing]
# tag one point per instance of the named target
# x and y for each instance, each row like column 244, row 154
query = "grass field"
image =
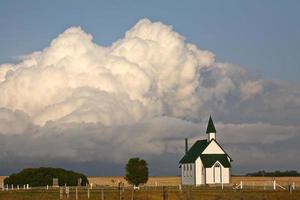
column 175, row 180
column 255, row 188
column 152, row 194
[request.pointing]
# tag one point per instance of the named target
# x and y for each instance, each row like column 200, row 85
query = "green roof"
column 209, row 160
column 210, row 127
column 194, row 151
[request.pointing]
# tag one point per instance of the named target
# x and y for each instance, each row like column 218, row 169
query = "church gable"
column 213, row 148
column 209, row 160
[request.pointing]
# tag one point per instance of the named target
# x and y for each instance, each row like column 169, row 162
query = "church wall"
column 225, row 175
column 213, row 148
column 209, row 175
column 200, row 174
column 188, row 174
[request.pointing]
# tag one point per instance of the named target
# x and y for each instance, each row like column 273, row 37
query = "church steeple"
column 210, row 127
column 211, row 130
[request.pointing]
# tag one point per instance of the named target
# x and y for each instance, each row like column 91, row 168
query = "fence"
column 148, row 192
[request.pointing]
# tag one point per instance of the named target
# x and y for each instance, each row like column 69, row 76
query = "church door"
column 217, row 173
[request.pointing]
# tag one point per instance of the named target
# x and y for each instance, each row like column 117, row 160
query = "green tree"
column 136, row 171
column 44, row 176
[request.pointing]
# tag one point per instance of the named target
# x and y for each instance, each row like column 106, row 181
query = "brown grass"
column 152, row 194
column 152, row 181
column 265, row 180
column 175, row 180
column 255, row 188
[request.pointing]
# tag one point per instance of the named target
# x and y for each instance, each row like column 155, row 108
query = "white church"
column 206, row 162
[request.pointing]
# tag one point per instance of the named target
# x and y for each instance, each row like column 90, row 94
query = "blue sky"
column 262, row 36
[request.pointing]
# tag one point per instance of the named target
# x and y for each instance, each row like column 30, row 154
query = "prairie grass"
column 152, row 194
column 175, row 180
column 255, row 188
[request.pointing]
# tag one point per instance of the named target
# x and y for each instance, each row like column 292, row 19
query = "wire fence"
column 145, row 192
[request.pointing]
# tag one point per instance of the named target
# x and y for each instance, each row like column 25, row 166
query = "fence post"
column 274, row 184
column 222, row 185
column 294, row 186
column 102, row 195
column 146, row 192
column 119, row 191
column 189, row 193
column 61, row 193
column 241, row 185
column 68, row 192
column 76, row 193
column 165, row 193
column 88, row 192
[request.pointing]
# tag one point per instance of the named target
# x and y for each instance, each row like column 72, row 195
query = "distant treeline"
column 275, row 173
column 44, row 176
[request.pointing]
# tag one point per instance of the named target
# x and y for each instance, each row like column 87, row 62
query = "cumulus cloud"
column 251, row 89
column 150, row 72
column 81, row 102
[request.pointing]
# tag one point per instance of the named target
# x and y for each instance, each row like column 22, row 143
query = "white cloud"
column 80, row 101
column 150, row 72
column 251, row 89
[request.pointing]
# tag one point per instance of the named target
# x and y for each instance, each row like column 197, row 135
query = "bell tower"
column 211, row 130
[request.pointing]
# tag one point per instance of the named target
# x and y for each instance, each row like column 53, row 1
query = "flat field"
column 254, row 188
column 175, row 180
column 156, row 193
